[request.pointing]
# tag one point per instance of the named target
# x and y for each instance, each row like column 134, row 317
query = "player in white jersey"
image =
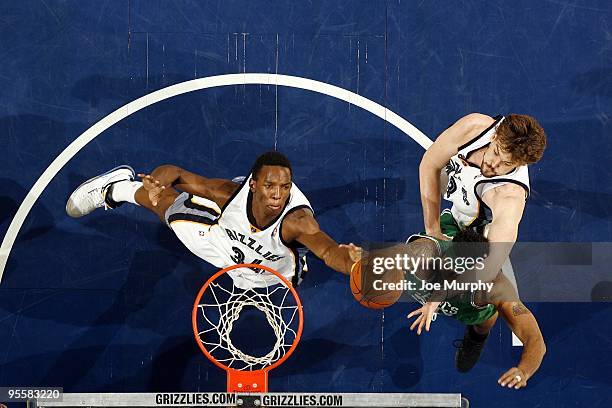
column 264, row 220
column 467, row 184
column 485, row 160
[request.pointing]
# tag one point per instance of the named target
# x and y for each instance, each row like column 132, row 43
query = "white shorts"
column 191, row 218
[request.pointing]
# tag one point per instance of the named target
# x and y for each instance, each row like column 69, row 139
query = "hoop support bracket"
column 247, row 381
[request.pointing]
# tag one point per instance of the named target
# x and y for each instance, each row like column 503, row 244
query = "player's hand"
column 355, row 252
column 153, row 187
column 439, row 235
column 513, row 378
column 424, row 316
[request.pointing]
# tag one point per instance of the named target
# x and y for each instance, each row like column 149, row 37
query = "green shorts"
column 470, row 314
column 448, row 225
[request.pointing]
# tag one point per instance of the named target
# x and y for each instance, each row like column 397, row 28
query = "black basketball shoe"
column 469, row 349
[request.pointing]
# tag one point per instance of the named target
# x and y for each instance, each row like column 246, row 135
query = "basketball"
column 364, row 292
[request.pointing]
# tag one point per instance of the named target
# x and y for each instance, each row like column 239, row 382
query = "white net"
column 223, row 305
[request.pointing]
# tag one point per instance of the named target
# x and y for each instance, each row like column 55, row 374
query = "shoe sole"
column 122, row 167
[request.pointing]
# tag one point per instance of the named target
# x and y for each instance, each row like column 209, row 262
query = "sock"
column 474, row 335
column 124, row 191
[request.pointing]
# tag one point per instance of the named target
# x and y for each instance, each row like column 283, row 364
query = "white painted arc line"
column 189, row 86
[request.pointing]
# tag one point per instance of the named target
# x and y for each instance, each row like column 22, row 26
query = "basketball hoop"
column 218, row 306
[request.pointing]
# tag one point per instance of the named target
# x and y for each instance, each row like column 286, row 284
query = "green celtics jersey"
column 462, row 306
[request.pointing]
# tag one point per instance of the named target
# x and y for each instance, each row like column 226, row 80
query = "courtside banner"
column 210, row 399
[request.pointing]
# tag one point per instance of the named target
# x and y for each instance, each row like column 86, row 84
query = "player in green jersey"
column 478, row 310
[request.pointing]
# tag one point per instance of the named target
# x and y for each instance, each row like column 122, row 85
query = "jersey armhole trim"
column 500, row 180
column 481, row 134
column 280, row 227
column 483, row 206
column 235, row 193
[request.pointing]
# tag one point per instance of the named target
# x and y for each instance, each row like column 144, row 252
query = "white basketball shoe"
column 94, row 193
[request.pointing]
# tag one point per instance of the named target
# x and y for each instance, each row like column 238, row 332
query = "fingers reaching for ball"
column 355, row 252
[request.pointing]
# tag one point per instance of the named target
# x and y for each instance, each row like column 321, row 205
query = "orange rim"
column 194, row 315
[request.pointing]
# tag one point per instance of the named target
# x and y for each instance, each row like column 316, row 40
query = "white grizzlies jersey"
column 467, row 185
column 236, row 236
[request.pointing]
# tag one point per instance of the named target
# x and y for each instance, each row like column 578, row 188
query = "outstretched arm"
column 525, row 326
column 301, row 226
column 217, row 190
